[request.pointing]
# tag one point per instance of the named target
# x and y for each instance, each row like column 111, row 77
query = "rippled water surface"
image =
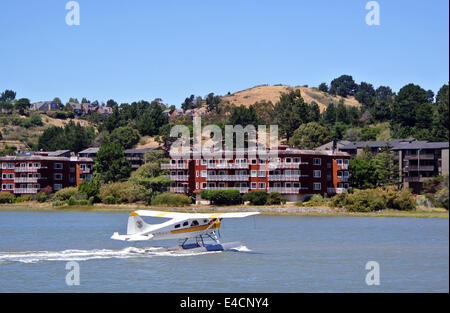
column 278, row 254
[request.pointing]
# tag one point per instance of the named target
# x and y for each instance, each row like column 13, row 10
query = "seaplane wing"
column 180, row 215
column 179, row 225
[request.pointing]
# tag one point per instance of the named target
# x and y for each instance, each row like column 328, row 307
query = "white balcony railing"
column 227, row 165
column 178, row 189
column 26, row 190
column 284, row 177
column 25, row 179
column 26, row 169
column 174, row 166
column 241, row 189
column 227, row 177
column 177, row 177
column 335, row 190
column 285, row 190
column 286, row 165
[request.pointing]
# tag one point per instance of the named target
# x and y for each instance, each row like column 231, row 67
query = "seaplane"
column 181, row 226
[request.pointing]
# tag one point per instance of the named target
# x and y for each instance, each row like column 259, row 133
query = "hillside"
column 249, row 96
column 17, row 135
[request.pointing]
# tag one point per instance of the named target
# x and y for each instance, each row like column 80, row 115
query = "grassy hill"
column 249, row 96
column 18, row 136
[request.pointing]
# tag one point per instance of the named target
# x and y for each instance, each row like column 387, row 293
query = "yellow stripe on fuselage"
column 162, row 214
column 196, row 228
column 216, row 215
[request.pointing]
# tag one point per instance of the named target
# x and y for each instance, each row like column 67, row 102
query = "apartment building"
column 135, row 156
column 29, row 173
column 421, row 160
column 294, row 173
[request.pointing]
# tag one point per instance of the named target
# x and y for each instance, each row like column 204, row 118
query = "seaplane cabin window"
column 205, row 221
column 177, row 226
column 194, row 223
column 185, row 224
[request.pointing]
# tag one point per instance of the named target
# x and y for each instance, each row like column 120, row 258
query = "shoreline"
column 280, row 210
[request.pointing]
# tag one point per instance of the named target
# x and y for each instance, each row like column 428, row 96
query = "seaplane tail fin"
column 135, row 224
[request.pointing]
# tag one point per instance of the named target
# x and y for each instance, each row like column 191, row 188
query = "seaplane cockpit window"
column 177, row 226
column 194, row 223
column 185, row 224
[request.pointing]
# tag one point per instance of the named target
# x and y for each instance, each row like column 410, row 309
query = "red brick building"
column 28, row 174
column 295, row 173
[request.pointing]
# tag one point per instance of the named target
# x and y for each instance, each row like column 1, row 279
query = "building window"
column 4, row 187
column 297, row 160
column 262, row 161
column 317, row 173
column 253, row 173
column 196, row 185
column 204, row 173
column 204, row 162
column 58, row 166
column 261, row 173
column 4, row 176
column 196, row 173
column 317, row 161
column 339, row 162
column 37, row 165
column 11, row 165
column 317, row 186
column 287, row 160
column 57, row 187
column 58, row 176
column 253, row 161
column 4, row 166
column 346, row 161
column 203, row 185
column 253, row 186
column 339, row 174
column 261, row 185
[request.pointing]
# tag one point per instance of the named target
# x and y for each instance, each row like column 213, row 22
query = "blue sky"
column 133, row 50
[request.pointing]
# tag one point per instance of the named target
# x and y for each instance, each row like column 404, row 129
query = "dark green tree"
column 111, row 165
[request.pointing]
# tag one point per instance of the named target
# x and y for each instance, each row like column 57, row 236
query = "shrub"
column 65, row 193
column 171, row 199
column 122, row 192
column 6, row 197
column 256, row 197
column 110, row 199
column 74, row 201
column 365, row 201
column 222, row 197
column 369, row 200
column 275, row 198
column 41, row 197
column 25, row 198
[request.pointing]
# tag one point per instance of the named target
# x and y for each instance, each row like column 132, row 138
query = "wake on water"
column 84, row 255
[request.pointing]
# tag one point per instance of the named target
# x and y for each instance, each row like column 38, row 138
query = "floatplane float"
column 181, row 226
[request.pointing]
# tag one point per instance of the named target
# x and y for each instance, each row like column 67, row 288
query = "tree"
column 366, row 95
column 7, row 95
column 363, row 173
column 291, row 111
column 72, row 137
column 22, row 104
column 243, row 116
column 265, row 111
column 111, row 103
column 212, row 102
column 329, row 115
column 309, row 136
column 404, row 110
column 343, row 86
column 440, row 124
column 323, row 87
column 383, row 103
column 386, row 167
column 125, row 136
column 111, row 164
column 188, row 103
